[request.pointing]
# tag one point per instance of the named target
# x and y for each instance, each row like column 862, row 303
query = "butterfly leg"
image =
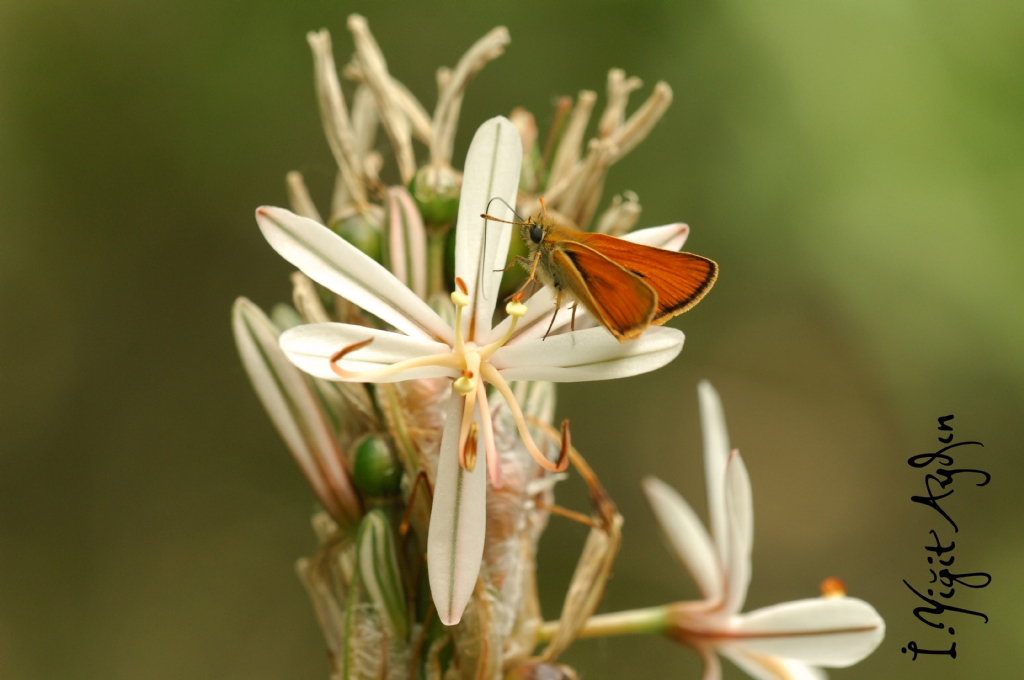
column 533, row 273
column 572, row 321
column 558, row 305
column 519, row 259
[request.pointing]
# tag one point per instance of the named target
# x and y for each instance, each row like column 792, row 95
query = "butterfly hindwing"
column 679, row 279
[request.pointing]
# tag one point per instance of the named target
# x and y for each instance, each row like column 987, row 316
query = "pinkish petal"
column 295, row 410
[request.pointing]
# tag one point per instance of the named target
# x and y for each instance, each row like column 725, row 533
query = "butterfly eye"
column 536, row 233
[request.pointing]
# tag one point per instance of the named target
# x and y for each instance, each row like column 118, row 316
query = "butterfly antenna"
column 494, row 219
column 499, row 198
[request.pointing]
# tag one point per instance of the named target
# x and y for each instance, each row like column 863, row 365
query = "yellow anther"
column 465, row 384
column 516, row 309
column 459, row 298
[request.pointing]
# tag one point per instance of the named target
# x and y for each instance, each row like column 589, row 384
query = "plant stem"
column 436, row 243
column 633, row 622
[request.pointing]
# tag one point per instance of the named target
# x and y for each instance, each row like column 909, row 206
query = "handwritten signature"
column 935, row 483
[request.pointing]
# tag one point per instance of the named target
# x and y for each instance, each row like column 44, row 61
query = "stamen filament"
column 491, row 375
column 493, row 461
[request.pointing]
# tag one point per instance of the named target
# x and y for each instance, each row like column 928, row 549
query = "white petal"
column 492, row 171
column 311, row 346
column 686, row 536
column 757, row 667
column 669, row 237
column 739, row 506
column 331, row 261
column 592, row 354
column 834, row 632
column 801, row 671
column 294, row 409
column 455, row 543
column 542, row 303
column 716, row 457
column 772, row 667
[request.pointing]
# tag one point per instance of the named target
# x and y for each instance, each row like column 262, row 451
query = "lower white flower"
column 787, row 641
column 471, row 353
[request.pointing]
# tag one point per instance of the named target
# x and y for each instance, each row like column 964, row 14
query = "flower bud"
column 361, row 230
column 377, row 471
column 435, row 188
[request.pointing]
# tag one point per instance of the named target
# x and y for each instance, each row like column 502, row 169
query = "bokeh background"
column 856, row 168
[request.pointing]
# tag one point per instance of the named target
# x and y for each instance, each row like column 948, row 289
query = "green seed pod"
column 361, row 230
column 377, row 471
column 436, row 192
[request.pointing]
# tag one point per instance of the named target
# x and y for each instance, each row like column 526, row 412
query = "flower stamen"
column 467, row 455
column 491, row 375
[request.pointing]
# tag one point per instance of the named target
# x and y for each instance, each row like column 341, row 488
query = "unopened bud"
column 376, row 470
column 363, row 230
column 436, row 192
column 833, row 588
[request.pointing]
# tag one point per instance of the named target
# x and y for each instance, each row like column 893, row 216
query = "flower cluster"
column 421, row 410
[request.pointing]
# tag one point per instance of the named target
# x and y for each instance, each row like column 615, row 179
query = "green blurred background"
column 856, row 168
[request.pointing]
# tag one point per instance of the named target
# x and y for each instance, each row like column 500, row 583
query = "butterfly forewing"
column 622, row 301
column 679, row 279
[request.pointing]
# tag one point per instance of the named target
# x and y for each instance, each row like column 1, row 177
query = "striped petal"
column 833, row 632
column 311, row 346
column 290, row 400
column 491, row 172
column 592, row 354
column 455, row 542
column 333, row 262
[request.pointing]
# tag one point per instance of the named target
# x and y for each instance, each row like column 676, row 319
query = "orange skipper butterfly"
column 625, row 286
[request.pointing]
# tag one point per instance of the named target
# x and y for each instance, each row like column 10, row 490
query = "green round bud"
column 436, row 192
column 377, row 471
column 361, row 230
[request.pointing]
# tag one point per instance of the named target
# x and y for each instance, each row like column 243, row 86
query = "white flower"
column 471, row 354
column 788, row 640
